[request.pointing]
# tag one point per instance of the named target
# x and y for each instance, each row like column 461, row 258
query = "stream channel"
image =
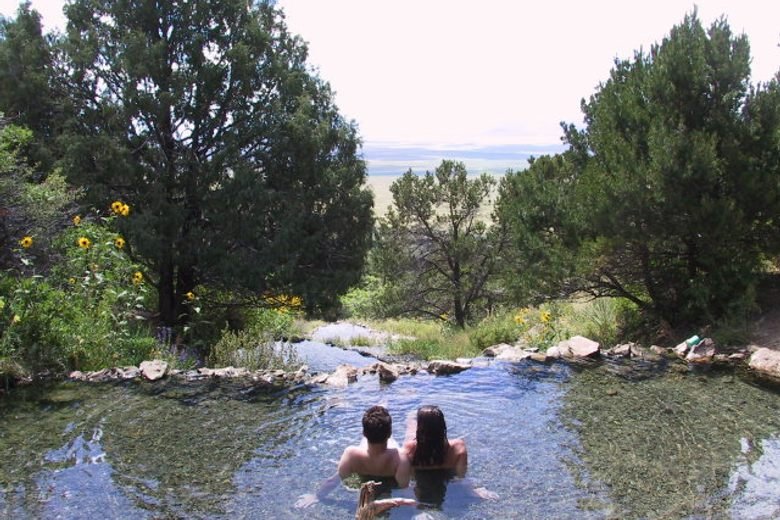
column 552, row 440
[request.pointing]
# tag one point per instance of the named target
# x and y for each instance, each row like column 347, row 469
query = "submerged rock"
column 442, row 367
column 342, row 376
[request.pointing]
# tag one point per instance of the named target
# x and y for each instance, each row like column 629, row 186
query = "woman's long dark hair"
column 432, row 440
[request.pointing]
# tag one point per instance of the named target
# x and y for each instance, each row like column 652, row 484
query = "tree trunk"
column 167, row 298
column 185, row 283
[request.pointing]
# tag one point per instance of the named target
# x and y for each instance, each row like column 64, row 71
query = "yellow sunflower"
column 84, row 243
column 190, row 296
column 125, row 211
column 26, row 242
column 545, row 316
column 116, row 206
column 119, row 242
column 138, row 277
column 76, row 220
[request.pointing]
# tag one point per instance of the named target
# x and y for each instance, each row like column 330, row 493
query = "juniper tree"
column 205, row 119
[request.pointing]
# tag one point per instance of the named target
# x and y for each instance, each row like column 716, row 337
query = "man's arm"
column 345, row 467
column 309, row 499
column 329, row 484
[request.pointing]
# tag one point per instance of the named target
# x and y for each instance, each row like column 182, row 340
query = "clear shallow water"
column 553, row 442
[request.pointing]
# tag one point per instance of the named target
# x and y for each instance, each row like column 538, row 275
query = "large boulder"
column 496, row 350
column 342, row 376
column 578, row 347
column 387, row 373
column 153, row 370
column 766, row 362
column 702, row 352
column 443, row 367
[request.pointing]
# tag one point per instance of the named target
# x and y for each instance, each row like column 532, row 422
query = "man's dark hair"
column 377, row 424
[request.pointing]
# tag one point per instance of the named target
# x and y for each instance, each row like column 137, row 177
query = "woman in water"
column 427, row 446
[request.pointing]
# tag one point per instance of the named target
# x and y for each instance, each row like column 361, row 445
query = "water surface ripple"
column 552, row 441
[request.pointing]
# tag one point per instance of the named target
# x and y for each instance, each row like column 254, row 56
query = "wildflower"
column 545, row 316
column 190, row 296
column 519, row 318
column 443, row 316
column 138, row 277
column 16, row 319
column 116, row 206
column 119, row 242
column 125, row 210
column 72, row 281
column 76, row 220
column 26, row 242
column 84, row 243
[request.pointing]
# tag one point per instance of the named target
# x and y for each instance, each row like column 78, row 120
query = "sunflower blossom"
column 190, row 296
column 116, row 206
column 119, row 242
column 138, row 277
column 76, row 220
column 26, row 242
column 125, row 210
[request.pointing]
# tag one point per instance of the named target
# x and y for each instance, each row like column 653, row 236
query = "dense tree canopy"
column 28, row 96
column 204, row 119
column 433, row 246
column 672, row 186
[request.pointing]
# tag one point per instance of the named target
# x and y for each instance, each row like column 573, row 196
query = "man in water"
column 378, row 456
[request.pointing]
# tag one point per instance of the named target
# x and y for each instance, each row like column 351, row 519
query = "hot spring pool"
column 552, row 441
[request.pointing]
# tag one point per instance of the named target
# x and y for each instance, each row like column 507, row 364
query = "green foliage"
column 497, row 328
column 278, row 323
column 85, row 314
column 667, row 198
column 598, row 320
column 433, row 252
column 238, row 166
column 253, row 350
column 367, row 300
column 542, row 218
column 31, row 208
column 27, row 93
column 426, row 339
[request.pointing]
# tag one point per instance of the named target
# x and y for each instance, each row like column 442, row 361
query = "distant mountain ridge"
column 388, row 159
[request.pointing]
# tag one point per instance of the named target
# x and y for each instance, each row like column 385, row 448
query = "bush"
column 85, row 314
column 497, row 328
column 365, row 301
column 252, row 350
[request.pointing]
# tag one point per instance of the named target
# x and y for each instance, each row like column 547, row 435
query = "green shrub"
column 246, row 348
column 85, row 314
column 497, row 328
column 365, row 301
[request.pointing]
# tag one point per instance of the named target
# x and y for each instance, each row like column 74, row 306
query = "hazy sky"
column 450, row 73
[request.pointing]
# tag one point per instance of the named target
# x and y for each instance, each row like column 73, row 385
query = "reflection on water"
column 551, row 441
